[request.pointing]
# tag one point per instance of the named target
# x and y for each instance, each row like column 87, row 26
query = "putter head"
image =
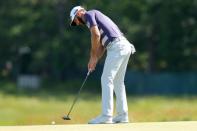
column 66, row 118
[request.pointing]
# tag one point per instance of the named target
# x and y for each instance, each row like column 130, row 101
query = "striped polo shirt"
column 108, row 29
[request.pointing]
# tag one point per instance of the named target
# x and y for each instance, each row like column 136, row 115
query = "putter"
column 66, row 117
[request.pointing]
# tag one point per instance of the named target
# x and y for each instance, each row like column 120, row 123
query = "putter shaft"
column 76, row 98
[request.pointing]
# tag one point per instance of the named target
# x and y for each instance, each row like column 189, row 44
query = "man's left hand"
column 92, row 64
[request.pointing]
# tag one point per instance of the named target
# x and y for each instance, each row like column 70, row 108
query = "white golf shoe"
column 102, row 119
column 121, row 118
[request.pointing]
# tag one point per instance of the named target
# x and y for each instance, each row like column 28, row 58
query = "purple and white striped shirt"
column 108, row 29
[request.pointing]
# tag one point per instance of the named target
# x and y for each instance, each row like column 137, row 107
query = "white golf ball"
column 53, row 122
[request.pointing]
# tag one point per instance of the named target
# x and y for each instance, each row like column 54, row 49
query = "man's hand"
column 92, row 64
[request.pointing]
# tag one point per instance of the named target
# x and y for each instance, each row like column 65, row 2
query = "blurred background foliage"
column 36, row 41
column 36, row 37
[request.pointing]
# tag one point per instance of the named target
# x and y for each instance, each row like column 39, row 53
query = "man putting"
column 105, row 35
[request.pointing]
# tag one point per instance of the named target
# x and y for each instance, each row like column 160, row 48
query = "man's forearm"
column 95, row 40
column 95, row 43
column 100, row 52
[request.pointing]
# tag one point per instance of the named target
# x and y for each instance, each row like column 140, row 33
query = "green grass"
column 34, row 110
column 43, row 107
column 163, row 108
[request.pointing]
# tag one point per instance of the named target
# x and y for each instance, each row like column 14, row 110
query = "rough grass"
column 42, row 108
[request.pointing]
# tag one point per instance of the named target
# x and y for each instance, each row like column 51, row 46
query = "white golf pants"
column 112, row 79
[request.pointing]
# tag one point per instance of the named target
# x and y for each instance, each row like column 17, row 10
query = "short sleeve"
column 90, row 19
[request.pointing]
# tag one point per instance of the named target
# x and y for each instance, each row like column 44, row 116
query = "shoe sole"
column 102, row 123
column 121, row 122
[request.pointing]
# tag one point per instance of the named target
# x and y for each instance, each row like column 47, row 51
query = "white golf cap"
column 73, row 12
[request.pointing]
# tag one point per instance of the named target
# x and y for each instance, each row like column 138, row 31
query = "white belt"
column 115, row 40
column 119, row 39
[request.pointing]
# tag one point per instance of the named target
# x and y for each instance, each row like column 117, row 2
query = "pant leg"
column 112, row 64
column 119, row 88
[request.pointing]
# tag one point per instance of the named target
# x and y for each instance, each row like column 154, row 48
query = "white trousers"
column 112, row 79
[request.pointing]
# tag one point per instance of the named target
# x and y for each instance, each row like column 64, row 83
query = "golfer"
column 105, row 35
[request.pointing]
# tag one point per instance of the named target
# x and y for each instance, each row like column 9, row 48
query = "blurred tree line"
column 36, row 38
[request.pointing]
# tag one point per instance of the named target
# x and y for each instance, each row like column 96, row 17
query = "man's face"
column 78, row 19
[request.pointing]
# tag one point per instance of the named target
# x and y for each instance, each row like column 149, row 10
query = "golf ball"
column 53, row 122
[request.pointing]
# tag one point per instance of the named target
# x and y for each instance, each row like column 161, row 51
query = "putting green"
column 150, row 126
